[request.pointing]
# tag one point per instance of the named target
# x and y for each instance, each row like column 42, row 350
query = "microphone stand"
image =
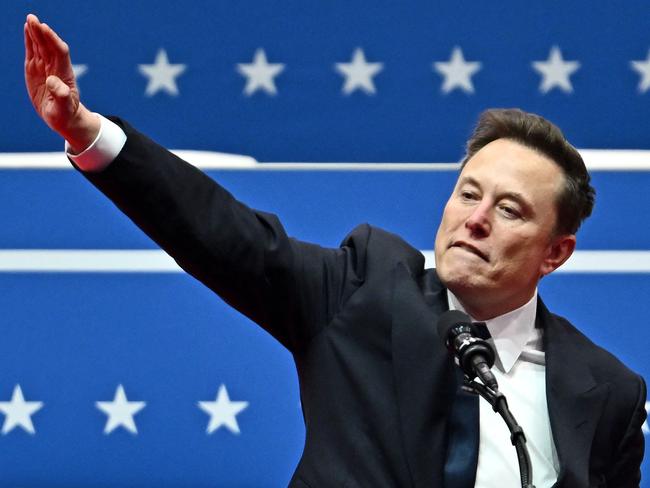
column 517, row 437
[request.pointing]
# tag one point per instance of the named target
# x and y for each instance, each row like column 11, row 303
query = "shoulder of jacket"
column 606, row 365
column 376, row 245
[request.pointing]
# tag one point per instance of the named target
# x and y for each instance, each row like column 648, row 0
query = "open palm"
column 49, row 76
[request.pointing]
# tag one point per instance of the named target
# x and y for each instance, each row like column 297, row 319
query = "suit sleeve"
column 626, row 471
column 291, row 288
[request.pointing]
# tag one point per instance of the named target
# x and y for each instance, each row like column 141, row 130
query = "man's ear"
column 559, row 250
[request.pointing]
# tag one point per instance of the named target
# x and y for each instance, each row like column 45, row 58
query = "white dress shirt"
column 104, row 149
column 520, row 369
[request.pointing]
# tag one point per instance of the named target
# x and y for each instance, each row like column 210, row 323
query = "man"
column 381, row 398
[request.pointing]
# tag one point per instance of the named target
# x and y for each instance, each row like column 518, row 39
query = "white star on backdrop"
column 120, row 412
column 79, row 70
column 643, row 68
column 18, row 412
column 358, row 73
column 161, row 74
column 457, row 72
column 260, row 74
column 645, row 428
column 223, row 411
column 556, row 71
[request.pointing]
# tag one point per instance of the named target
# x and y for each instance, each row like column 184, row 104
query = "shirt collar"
column 510, row 332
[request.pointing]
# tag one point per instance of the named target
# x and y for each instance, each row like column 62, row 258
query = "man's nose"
column 479, row 222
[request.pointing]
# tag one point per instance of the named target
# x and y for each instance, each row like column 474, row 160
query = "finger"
column 29, row 49
column 32, row 25
column 55, row 41
column 37, row 38
column 29, row 37
column 36, row 53
column 48, row 46
column 40, row 40
column 56, row 87
column 60, row 56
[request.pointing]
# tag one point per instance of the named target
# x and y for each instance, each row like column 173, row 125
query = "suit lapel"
column 424, row 375
column 426, row 383
column 575, row 400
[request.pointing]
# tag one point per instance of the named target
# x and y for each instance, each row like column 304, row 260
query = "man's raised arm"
column 291, row 288
column 52, row 87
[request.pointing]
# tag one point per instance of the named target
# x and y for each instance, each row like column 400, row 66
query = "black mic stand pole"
column 517, row 437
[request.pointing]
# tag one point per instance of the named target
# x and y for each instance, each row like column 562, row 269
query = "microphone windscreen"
column 451, row 319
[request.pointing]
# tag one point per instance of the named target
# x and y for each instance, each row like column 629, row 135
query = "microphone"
column 474, row 355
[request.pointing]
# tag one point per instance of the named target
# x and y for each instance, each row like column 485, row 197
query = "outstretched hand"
column 52, row 87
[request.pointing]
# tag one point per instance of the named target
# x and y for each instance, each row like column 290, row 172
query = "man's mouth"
column 472, row 249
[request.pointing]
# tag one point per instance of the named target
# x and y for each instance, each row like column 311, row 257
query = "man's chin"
column 461, row 283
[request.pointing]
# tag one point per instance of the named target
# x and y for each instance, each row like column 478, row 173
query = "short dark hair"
column 576, row 200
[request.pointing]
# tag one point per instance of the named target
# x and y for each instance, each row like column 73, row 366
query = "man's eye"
column 510, row 212
column 468, row 195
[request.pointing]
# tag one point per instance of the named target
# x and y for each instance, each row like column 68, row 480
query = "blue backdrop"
column 424, row 71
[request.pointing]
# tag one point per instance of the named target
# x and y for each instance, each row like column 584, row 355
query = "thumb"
column 56, row 87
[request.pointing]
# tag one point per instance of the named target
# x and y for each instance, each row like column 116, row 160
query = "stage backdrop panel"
column 359, row 80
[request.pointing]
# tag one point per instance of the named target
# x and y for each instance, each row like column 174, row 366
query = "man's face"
column 496, row 238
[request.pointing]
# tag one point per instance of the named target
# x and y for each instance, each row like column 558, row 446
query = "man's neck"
column 484, row 311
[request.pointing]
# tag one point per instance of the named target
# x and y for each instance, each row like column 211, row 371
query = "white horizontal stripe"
column 58, row 160
column 156, row 261
column 87, row 261
column 595, row 159
column 608, row 262
column 616, row 159
column 591, row 262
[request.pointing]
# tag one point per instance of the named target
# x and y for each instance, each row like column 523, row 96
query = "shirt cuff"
column 104, row 149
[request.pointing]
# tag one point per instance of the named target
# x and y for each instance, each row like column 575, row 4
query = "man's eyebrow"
column 469, row 180
column 515, row 195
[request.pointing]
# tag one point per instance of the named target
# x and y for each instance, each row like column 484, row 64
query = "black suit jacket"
column 376, row 384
